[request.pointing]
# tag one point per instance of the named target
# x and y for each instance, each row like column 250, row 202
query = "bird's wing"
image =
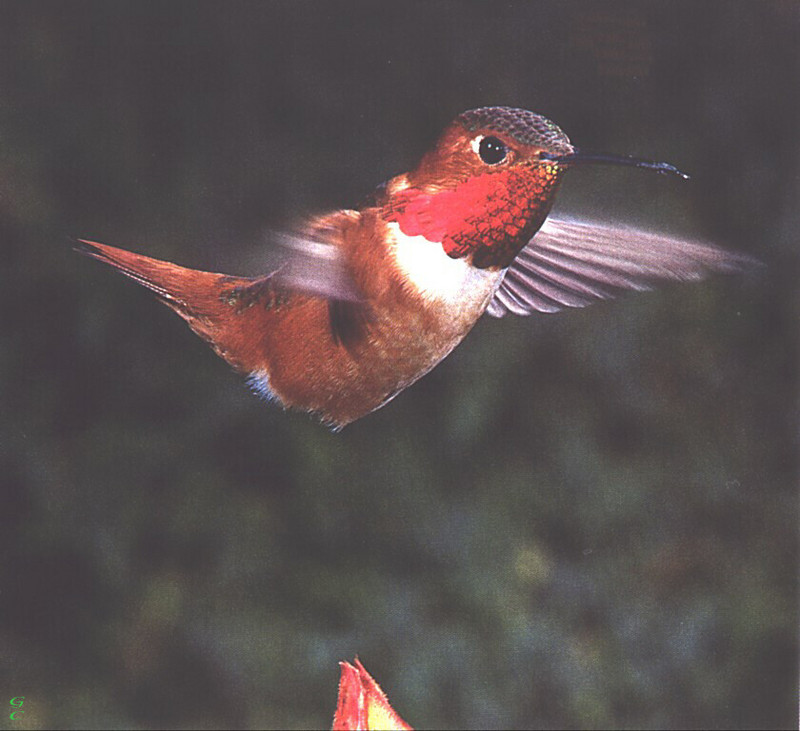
column 309, row 265
column 572, row 263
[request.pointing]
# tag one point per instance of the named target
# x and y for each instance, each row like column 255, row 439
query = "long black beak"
column 578, row 157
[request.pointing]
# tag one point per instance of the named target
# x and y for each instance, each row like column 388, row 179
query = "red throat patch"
column 491, row 215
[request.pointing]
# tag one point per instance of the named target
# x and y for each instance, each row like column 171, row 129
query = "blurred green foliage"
column 582, row 520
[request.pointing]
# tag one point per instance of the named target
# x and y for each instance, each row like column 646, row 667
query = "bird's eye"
column 492, row 151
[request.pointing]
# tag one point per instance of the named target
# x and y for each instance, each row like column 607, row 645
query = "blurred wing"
column 310, row 266
column 570, row 263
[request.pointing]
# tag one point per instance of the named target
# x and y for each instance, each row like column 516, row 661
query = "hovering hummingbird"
column 366, row 301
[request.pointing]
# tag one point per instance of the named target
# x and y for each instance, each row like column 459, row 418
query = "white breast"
column 440, row 278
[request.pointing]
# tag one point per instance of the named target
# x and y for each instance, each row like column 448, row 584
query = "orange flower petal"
column 362, row 705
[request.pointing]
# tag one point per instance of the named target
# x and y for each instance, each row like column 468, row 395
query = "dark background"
column 583, row 520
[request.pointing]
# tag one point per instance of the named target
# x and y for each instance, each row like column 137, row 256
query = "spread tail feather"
column 184, row 290
column 206, row 300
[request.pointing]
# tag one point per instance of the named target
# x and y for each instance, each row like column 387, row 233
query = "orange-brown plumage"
column 292, row 340
column 370, row 300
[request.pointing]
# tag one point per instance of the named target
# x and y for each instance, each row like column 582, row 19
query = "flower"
column 362, row 704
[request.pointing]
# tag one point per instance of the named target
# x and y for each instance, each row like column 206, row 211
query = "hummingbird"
column 363, row 302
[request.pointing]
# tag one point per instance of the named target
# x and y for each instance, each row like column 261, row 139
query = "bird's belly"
column 304, row 367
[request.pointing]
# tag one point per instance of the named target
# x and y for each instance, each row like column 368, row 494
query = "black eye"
column 492, row 150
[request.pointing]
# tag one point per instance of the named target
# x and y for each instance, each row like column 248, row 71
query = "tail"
column 208, row 301
column 191, row 293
